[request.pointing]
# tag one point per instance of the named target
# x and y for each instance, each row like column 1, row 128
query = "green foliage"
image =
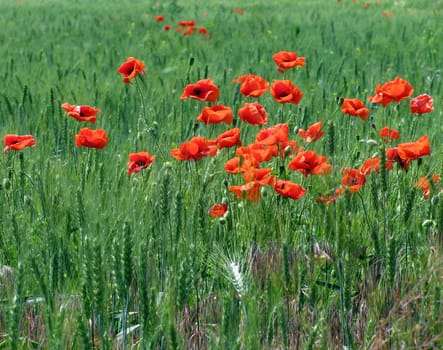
column 93, row 258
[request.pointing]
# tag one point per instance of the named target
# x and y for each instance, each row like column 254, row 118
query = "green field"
column 91, row 258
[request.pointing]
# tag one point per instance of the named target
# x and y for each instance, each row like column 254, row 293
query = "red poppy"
column 17, row 142
column 261, row 175
column 139, row 161
column 287, row 60
column 131, row 68
column 414, row 150
column 422, row 104
column 189, row 31
column 81, row 113
column 190, row 23
column 218, row 210
column 387, row 14
column 355, row 107
column 388, row 134
column 216, row 114
column 159, row 18
column 424, row 184
column 253, row 113
column 252, row 85
column 167, row 27
column 328, row 199
column 228, row 139
column 239, row 165
column 392, row 156
column 257, row 152
column 353, row 179
column 289, row 189
column 195, row 149
column 240, row 11
column 250, row 191
column 274, row 134
column 314, row 132
column 202, row 30
column 284, row 91
column 309, row 162
column 91, row 138
column 373, row 164
column 202, row 90
column 394, row 90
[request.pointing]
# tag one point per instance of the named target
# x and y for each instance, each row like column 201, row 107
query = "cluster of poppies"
column 186, row 27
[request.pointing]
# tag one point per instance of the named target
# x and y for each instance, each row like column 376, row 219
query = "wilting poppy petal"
column 422, row 104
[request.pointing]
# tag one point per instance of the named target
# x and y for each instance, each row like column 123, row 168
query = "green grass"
column 92, row 258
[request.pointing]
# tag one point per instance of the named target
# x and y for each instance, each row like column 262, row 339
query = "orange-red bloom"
column 239, row 165
column 131, row 68
column 422, row 104
column 392, row 156
column 91, row 138
column 195, row 149
column 139, row 161
column 17, row 142
column 286, row 60
column 240, row 11
column 216, row 114
column 167, row 27
column 414, row 150
column 159, row 18
column 289, row 189
column 257, row 153
column 202, row 30
column 284, row 91
column 228, row 139
column 309, row 162
column 218, row 210
column 355, row 107
column 424, row 184
column 328, row 199
column 253, row 113
column 202, row 90
column 187, row 23
column 81, row 113
column 314, row 132
column 252, row 85
column 373, row 164
column 394, row 90
column 388, row 134
column 353, row 179
column 261, row 175
column 250, row 191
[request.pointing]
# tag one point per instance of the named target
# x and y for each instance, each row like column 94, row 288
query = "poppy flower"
column 422, row 104
column 284, row 91
column 189, row 31
column 424, row 184
column 216, row 114
column 355, row 107
column 131, row 68
column 253, row 113
column 218, row 210
column 81, row 113
column 392, row 156
column 252, row 85
column 17, row 142
column 289, row 189
column 239, row 11
column 261, row 175
column 195, row 149
column 167, row 27
column 139, row 161
column 414, row 150
column 250, row 191
column 257, row 152
column 353, row 179
column 202, row 30
column 203, row 90
column 187, row 23
column 388, row 134
column 159, row 18
column 328, row 199
column 394, row 90
column 314, row 132
column 373, row 164
column 274, row 134
column 309, row 162
column 287, row 60
column 239, row 165
column 228, row 139
column 91, row 138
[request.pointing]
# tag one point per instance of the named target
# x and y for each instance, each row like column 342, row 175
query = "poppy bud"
column 222, row 220
column 288, row 151
column 428, row 223
column 27, row 199
column 6, row 184
column 226, row 182
column 434, row 200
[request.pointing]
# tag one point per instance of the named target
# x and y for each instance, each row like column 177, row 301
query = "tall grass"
column 93, row 258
